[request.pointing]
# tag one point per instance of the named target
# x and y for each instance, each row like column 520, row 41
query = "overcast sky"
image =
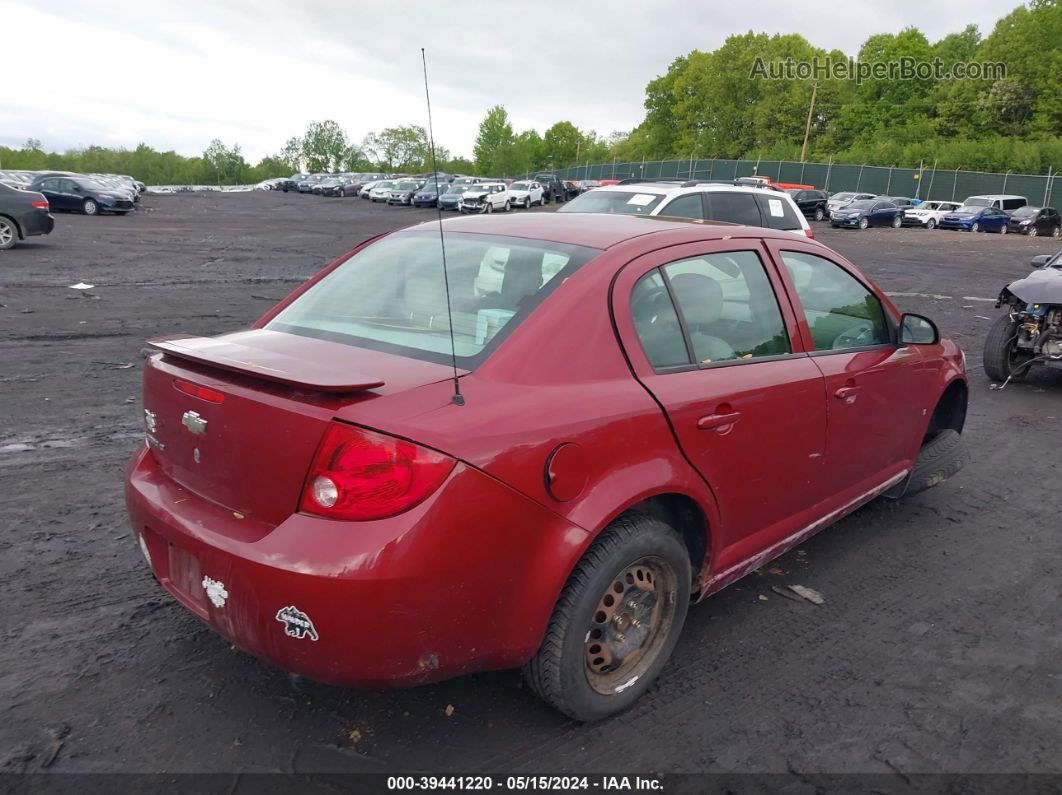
column 177, row 74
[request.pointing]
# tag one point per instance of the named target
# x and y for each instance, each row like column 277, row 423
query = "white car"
column 486, row 198
column 928, row 214
column 525, row 194
column 381, row 191
column 699, row 200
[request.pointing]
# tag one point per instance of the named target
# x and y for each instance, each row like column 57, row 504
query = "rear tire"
column 632, row 589
column 8, row 233
column 90, row 207
column 999, row 351
column 939, row 459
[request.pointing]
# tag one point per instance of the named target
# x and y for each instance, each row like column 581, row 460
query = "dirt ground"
column 938, row 649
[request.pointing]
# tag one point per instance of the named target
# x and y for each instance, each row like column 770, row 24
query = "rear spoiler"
column 238, row 353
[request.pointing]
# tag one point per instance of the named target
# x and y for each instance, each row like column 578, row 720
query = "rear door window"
column 656, row 323
column 778, row 212
column 734, row 207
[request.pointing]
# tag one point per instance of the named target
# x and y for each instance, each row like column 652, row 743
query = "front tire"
column 939, row 459
column 616, row 621
column 508, row 206
column 863, row 223
column 1031, row 231
column 931, row 224
column 1003, row 229
column 976, row 227
column 999, row 351
column 1056, row 231
column 489, row 208
column 818, row 214
column 90, row 207
column 896, row 221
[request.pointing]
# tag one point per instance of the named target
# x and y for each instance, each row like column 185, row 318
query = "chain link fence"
column 926, row 183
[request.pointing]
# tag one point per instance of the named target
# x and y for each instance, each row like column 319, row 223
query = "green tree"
column 403, row 148
column 324, row 146
column 493, row 149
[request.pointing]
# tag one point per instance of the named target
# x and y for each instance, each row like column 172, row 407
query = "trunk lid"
column 250, row 450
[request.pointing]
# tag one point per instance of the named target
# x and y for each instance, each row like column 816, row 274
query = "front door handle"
column 718, row 422
column 847, row 393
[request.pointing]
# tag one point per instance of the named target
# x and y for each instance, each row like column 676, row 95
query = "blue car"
column 451, row 200
column 868, row 212
column 976, row 219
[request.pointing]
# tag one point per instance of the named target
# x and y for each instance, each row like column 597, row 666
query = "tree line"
column 713, row 104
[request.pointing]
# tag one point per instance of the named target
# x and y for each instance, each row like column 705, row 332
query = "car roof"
column 597, row 230
column 671, row 189
column 996, row 196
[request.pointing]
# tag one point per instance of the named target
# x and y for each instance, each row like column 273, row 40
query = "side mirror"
column 918, row 330
column 1040, row 261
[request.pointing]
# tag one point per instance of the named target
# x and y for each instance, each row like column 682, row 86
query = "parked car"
column 1029, row 333
column 306, row 184
column 588, row 184
column 16, row 179
column 23, row 213
column 928, row 213
column 700, row 200
column 403, row 191
column 365, row 191
column 460, row 181
column 559, row 544
column 292, row 182
column 525, row 193
column 428, row 196
column 380, row 191
column 361, row 180
column 485, row 197
column 976, row 218
column 840, row 201
column 81, row 194
column 812, row 203
column 1033, row 221
column 553, row 188
column 903, row 202
column 339, row 186
column 867, row 212
column 1001, row 201
column 451, row 200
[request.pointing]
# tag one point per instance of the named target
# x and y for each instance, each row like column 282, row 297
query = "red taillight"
column 40, row 205
column 809, row 233
column 359, row 474
column 197, row 391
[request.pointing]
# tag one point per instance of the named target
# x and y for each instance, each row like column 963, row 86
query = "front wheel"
column 976, row 227
column 1003, row 229
column 931, row 223
column 818, row 214
column 90, row 207
column 1056, row 231
column 863, row 223
column 1031, row 230
column 489, row 208
column 616, row 621
column 1000, row 362
column 896, row 221
column 508, row 206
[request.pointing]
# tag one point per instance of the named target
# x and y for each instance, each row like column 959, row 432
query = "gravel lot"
column 937, row 651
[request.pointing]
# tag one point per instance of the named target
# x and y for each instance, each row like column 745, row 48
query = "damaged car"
column 1030, row 333
column 538, row 457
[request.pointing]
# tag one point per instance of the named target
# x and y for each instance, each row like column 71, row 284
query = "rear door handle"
column 718, row 421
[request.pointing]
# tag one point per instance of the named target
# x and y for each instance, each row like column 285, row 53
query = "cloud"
column 255, row 73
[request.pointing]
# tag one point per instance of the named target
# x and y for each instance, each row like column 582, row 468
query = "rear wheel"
column 999, row 360
column 616, row 621
column 90, row 207
column 8, row 233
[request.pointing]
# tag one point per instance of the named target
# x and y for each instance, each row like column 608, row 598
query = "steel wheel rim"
column 7, row 234
column 630, row 625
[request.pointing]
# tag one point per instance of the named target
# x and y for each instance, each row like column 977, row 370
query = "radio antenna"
column 458, row 398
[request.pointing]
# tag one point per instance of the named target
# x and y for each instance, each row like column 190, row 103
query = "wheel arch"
column 18, row 226
column 949, row 413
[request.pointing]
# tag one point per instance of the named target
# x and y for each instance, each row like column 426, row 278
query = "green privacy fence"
column 929, row 183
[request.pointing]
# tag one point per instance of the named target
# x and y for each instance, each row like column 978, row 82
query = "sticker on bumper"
column 296, row 623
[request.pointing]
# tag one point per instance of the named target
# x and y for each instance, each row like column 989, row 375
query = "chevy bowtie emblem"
column 193, row 422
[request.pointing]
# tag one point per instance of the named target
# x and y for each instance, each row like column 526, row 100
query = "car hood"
column 1042, row 286
column 963, row 215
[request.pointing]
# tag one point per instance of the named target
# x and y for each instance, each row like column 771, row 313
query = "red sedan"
column 538, row 461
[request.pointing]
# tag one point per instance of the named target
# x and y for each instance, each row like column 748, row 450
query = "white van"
column 1000, row 201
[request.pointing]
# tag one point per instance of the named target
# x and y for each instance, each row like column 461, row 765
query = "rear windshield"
column 391, row 296
column 977, row 201
column 613, row 201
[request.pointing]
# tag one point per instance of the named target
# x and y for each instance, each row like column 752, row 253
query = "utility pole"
column 807, row 127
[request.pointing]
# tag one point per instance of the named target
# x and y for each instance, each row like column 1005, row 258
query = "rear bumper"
column 36, row 223
column 465, row 581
